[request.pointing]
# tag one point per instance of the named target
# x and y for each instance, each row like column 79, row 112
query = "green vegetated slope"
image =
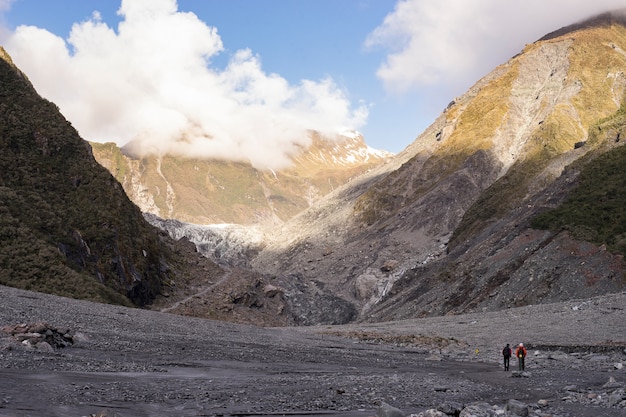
column 595, row 211
column 66, row 226
column 594, row 64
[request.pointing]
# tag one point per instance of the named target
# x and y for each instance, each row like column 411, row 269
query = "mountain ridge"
column 205, row 191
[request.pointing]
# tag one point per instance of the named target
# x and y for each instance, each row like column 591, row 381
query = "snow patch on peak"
column 350, row 133
column 378, row 153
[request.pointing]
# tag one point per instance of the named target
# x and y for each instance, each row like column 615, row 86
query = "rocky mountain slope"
column 446, row 226
column 66, row 226
column 450, row 225
column 216, row 191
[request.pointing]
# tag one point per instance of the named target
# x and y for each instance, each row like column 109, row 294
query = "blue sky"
column 243, row 78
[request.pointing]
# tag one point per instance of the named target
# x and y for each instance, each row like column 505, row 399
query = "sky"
column 247, row 79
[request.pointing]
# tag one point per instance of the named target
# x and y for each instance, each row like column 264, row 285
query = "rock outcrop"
column 40, row 336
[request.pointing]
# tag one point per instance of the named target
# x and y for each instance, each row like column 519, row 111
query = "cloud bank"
column 456, row 42
column 149, row 84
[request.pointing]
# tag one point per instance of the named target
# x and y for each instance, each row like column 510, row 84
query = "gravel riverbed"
column 132, row 362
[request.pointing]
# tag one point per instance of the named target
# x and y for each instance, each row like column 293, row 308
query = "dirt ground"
column 129, row 362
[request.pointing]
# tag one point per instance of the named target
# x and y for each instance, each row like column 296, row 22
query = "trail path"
column 200, row 293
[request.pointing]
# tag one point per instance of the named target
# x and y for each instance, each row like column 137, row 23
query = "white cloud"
column 5, row 5
column 455, row 42
column 150, row 82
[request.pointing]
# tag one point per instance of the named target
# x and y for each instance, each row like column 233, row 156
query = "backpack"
column 506, row 351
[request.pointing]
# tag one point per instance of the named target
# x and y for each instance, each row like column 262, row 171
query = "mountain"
column 217, row 191
column 513, row 196
column 448, row 225
column 68, row 228
column 66, row 225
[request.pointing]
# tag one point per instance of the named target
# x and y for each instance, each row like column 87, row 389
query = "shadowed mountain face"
column 66, row 225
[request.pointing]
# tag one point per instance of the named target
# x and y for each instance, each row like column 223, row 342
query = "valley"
column 351, row 283
column 448, row 225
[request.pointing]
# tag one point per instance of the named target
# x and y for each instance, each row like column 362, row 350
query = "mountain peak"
column 346, row 150
column 615, row 17
column 205, row 191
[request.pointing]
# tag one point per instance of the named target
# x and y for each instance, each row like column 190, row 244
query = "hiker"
column 506, row 354
column 520, row 352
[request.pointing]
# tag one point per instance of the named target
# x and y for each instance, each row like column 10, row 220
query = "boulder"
column 386, row 410
column 612, row 383
column 432, row 413
column 271, row 290
column 389, row 265
column 365, row 286
column 451, row 408
column 478, row 409
column 617, row 396
column 516, row 408
column 44, row 347
column 36, row 334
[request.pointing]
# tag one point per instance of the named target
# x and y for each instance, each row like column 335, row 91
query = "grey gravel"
column 131, row 362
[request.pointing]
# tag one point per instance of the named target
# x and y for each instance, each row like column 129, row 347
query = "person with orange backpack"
column 520, row 353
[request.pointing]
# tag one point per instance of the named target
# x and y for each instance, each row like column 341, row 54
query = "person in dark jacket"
column 520, row 353
column 506, row 354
